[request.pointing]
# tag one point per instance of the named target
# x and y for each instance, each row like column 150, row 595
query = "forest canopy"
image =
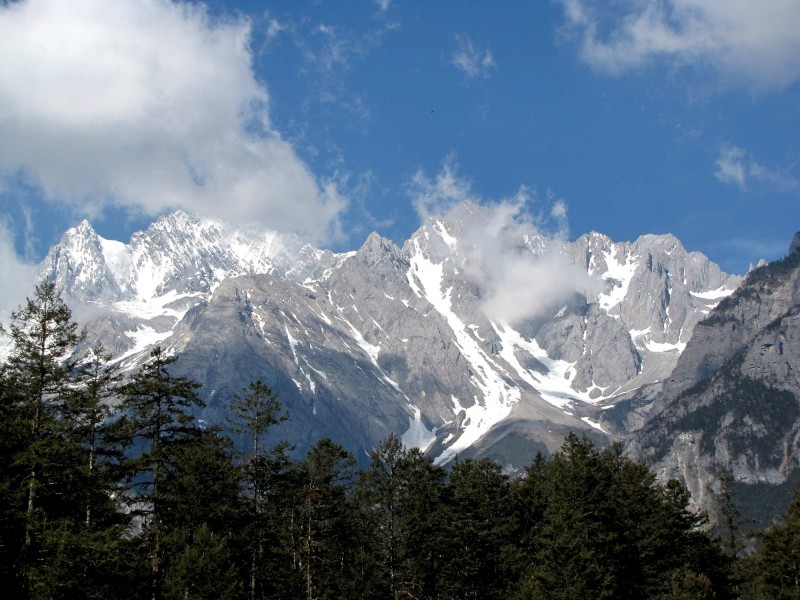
column 111, row 488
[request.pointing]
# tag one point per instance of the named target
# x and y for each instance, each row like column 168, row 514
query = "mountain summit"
column 732, row 404
column 479, row 335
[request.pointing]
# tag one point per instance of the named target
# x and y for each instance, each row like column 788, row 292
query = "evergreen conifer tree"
column 774, row 570
column 477, row 530
column 322, row 527
column 157, row 422
column 252, row 414
column 43, row 337
column 399, row 499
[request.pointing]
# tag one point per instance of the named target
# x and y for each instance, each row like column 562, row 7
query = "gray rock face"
column 733, row 400
column 476, row 337
column 794, row 247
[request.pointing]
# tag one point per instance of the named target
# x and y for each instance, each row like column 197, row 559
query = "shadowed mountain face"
column 733, row 400
column 478, row 336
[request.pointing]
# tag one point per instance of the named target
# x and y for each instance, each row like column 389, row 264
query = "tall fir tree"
column 253, row 413
column 399, row 507
column 88, row 405
column 202, row 512
column 477, row 531
column 157, row 421
column 322, row 531
column 773, row 571
column 43, row 337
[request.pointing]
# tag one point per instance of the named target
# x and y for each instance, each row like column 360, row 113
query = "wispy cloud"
column 438, row 195
column 472, row 62
column 730, row 166
column 18, row 276
column 500, row 248
column 756, row 44
column 383, row 5
column 274, row 28
column 152, row 105
column 735, row 166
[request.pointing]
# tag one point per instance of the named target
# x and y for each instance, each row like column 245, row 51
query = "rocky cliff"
column 478, row 336
column 733, row 401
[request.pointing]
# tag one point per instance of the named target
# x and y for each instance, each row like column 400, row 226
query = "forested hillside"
column 111, row 488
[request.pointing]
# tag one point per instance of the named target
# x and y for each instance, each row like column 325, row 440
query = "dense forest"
column 109, row 488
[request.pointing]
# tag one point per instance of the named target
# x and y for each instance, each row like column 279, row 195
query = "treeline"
column 140, row 501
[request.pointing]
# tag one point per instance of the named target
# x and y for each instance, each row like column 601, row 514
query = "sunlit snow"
column 620, row 276
column 664, row 347
column 143, row 338
column 717, row 294
column 417, row 435
column 594, row 424
column 498, row 397
column 117, row 256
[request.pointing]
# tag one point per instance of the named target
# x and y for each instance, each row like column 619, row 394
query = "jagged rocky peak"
column 794, row 247
column 733, row 399
column 78, row 264
column 377, row 245
column 389, row 339
column 177, row 252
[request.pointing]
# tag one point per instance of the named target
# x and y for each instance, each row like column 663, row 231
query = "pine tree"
column 399, row 504
column 774, row 570
column 201, row 512
column 253, row 413
column 157, row 421
column 43, row 337
column 608, row 530
column 14, row 436
column 730, row 516
column 88, row 407
column 322, row 533
column 477, row 531
column 203, row 567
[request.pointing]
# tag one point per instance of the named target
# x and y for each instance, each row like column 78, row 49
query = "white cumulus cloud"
column 509, row 251
column 519, row 277
column 756, row 44
column 151, row 104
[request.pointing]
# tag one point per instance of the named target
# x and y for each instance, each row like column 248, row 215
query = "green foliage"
column 398, row 502
column 202, row 567
column 203, row 521
column 263, row 475
column 156, row 418
column 43, row 337
column 774, row 570
column 322, row 529
column 157, row 422
column 477, row 530
column 254, row 412
column 604, row 529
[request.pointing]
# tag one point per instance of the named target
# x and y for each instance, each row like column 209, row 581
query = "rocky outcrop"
column 477, row 336
column 733, row 400
column 794, row 248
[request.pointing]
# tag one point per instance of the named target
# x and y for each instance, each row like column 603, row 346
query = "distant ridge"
column 408, row 340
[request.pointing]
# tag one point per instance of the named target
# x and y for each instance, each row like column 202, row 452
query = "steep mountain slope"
column 733, row 400
column 468, row 339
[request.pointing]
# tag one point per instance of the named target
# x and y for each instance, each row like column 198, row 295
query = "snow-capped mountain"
column 470, row 338
column 733, row 401
column 144, row 288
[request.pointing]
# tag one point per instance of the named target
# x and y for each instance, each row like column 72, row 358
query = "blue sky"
column 333, row 119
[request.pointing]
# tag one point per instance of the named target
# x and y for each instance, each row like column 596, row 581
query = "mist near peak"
column 511, row 248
